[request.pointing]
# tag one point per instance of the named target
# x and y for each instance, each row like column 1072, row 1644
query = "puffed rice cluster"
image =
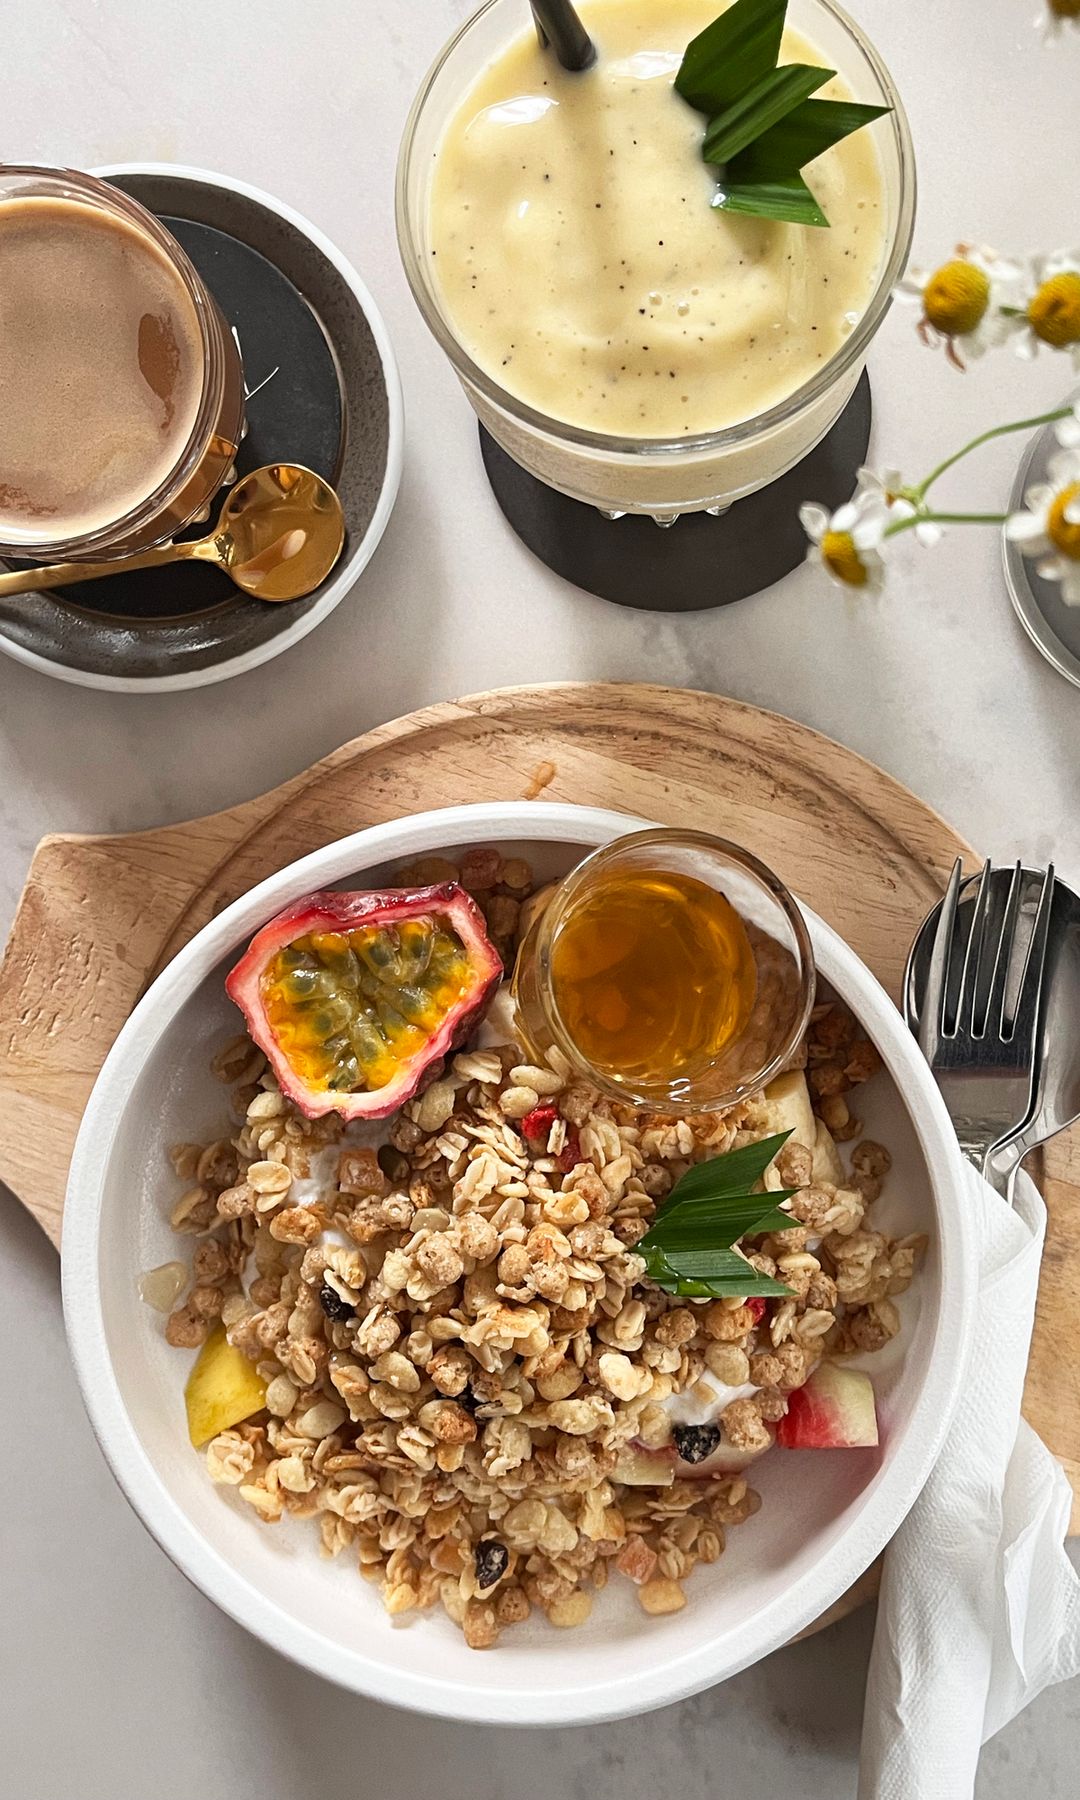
column 458, row 1340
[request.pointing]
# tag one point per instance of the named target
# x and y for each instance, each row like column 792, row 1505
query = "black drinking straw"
column 559, row 26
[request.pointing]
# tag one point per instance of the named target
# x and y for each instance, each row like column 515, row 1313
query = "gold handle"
column 34, row 581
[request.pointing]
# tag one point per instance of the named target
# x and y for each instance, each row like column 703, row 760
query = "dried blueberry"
column 333, row 1305
column 491, row 1559
column 695, row 1442
column 394, row 1164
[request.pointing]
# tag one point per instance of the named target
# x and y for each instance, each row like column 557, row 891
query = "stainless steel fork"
column 979, row 1018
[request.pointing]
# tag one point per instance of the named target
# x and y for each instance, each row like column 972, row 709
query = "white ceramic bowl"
column 825, row 1515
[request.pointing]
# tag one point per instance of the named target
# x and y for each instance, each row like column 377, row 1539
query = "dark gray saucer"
column 700, row 561
column 334, row 405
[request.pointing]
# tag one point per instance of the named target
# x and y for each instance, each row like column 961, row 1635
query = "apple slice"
column 639, row 1466
column 834, row 1411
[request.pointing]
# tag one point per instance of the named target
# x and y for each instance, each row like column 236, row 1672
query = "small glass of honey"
column 672, row 969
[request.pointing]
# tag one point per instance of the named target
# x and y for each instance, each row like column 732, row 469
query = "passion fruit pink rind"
column 341, row 913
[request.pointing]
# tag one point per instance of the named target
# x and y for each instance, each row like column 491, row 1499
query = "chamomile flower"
column 962, row 301
column 891, row 489
column 1067, row 431
column 1049, row 528
column 1050, row 309
column 847, row 543
column 1057, row 15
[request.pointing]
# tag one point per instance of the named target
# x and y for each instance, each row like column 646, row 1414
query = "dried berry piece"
column 537, row 1124
column 756, row 1307
column 570, row 1154
column 333, row 1305
column 394, row 1164
column 695, row 1442
column 491, row 1559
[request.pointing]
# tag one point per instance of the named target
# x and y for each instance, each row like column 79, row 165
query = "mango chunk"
column 222, row 1389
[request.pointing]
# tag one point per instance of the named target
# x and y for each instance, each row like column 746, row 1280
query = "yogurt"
column 704, row 1403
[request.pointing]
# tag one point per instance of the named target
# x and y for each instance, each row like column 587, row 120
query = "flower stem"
column 943, row 518
column 985, row 437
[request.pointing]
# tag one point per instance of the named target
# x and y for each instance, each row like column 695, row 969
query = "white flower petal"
column 929, row 532
column 845, row 517
column 814, row 520
column 1070, row 587
column 1027, row 531
column 1064, row 467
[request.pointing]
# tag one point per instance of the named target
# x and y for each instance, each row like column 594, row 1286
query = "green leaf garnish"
column 789, row 200
column 805, row 134
column 763, row 126
column 768, row 101
column 724, row 1275
column 700, row 1224
column 731, row 54
column 688, row 1249
column 733, row 1173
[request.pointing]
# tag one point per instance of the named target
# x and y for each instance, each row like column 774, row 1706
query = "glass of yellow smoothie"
column 623, row 340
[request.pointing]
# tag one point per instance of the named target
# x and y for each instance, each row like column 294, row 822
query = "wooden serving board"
column 101, row 915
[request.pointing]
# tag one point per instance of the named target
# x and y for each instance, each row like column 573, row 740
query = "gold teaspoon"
column 279, row 535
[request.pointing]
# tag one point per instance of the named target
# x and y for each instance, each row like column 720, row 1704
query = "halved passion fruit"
column 353, row 997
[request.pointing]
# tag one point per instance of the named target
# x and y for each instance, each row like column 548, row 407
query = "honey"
column 653, row 976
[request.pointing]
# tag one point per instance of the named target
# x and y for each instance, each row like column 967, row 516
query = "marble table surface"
column 117, row 1678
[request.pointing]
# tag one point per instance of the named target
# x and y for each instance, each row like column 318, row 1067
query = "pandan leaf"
column 805, row 133
column 757, row 110
column 700, row 1223
column 733, row 1172
column 788, row 199
column 712, row 1275
column 732, row 54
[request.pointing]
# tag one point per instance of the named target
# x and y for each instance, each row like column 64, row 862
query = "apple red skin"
column 329, row 910
column 834, row 1411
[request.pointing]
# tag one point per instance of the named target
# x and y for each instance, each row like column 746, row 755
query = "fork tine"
column 999, row 985
column 1027, row 1004
column 967, row 999
column 932, row 1011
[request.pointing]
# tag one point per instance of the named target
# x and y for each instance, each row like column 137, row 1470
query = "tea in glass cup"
column 672, row 969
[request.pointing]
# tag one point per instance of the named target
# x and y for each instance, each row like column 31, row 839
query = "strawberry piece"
column 757, row 1308
column 536, row 1125
column 570, row 1154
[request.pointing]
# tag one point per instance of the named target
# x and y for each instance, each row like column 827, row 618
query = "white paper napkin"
column 980, row 1605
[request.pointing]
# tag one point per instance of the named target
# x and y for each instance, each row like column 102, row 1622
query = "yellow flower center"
column 1054, row 311
column 1065, row 9
column 955, row 298
column 841, row 558
column 1063, row 534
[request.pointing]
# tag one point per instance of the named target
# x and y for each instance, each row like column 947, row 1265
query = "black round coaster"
column 295, row 413
column 700, row 561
